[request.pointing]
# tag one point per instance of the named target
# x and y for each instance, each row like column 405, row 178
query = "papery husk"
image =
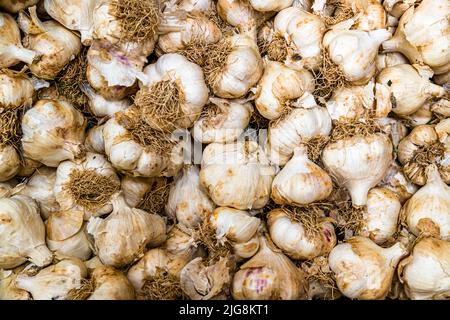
column 62, row 225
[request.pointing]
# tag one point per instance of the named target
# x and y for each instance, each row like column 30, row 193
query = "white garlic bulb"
column 358, row 163
column 9, row 162
column 270, row 5
column 113, row 243
column 425, row 273
column 53, row 282
column 428, row 210
column 53, row 131
column 8, row 290
column 236, row 175
column 278, row 85
column 47, row 38
column 136, row 190
column 225, row 123
column 22, row 235
column 94, row 140
column 268, row 275
column 238, row 13
column 188, row 201
column 298, row 239
column 11, row 49
column 110, row 284
column 101, row 107
column 396, row 181
column 362, row 269
column 180, row 248
column 15, row 90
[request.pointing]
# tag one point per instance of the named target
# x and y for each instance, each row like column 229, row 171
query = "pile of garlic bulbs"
column 224, row 149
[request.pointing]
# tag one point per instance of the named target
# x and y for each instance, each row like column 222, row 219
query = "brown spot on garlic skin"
column 427, row 227
column 4, row 218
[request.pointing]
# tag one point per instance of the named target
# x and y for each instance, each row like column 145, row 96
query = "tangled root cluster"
column 276, row 48
column 10, row 129
column 215, row 60
column 315, row 147
column 205, row 235
column 310, row 216
column 162, row 286
column 319, row 270
column 156, row 198
column 328, row 78
column 348, row 216
column 342, row 12
column 364, row 126
column 424, row 156
column 82, row 292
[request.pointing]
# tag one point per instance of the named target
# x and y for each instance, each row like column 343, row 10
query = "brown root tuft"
column 276, row 48
column 315, row 147
column 342, row 11
column 348, row 216
column 162, row 286
column 257, row 121
column 364, row 126
column 215, row 60
column 82, row 292
column 195, row 51
column 319, row 270
column 422, row 158
column 156, row 198
column 205, row 235
column 310, row 216
column 328, row 78
column 10, row 128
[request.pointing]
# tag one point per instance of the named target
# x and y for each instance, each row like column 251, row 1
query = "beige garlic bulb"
column 302, row 123
column 135, row 148
column 354, row 51
column 428, row 210
column 101, row 107
column 268, row 275
column 136, row 189
column 53, row 282
column 426, row 144
column 11, row 50
column 53, row 131
column 225, row 123
column 173, row 94
column 425, row 273
column 47, row 38
column 358, row 163
column 94, row 140
column 408, row 88
column 9, row 162
column 28, row 167
column 188, row 201
column 389, row 59
column 270, row 5
column 180, row 248
column 16, row 90
column 441, row 108
column 396, row 181
column 370, row 14
column 237, row 175
column 301, row 181
column 362, row 269
column 74, row 15
column 113, row 243
column 22, row 235
column 238, row 13
column 8, row 290
column 298, row 239
column 278, row 85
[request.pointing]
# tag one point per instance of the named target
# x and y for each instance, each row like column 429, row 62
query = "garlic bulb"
column 133, row 147
column 113, row 243
column 246, row 250
column 278, row 85
column 425, row 273
column 74, row 15
column 94, row 140
column 53, row 131
column 268, row 275
column 47, row 38
column 441, row 108
column 238, row 13
column 225, row 123
column 408, row 88
column 8, row 290
column 194, row 5
column 301, row 181
column 396, row 181
column 174, row 93
column 301, row 237
column 16, row 90
column 364, row 270
column 236, row 175
column 421, row 116
column 299, row 125
column 149, row 194
column 22, row 235
column 28, row 167
column 270, row 5
column 16, row 6
column 389, row 59
column 345, row 47
column 180, row 248
column 9, row 162
column 423, row 146
column 101, row 107
column 53, row 282
column 358, row 163
column 428, row 210
column 11, row 49
column 188, row 201
column 40, row 188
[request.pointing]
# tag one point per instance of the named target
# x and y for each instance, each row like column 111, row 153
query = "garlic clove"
column 94, row 140
column 246, row 250
column 181, row 248
column 101, row 107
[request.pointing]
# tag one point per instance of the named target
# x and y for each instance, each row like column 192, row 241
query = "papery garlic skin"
column 15, row 91
column 396, row 181
column 180, row 248
column 227, row 125
column 77, row 246
column 246, row 250
column 28, row 167
column 371, row 14
column 236, row 175
column 110, row 284
column 94, row 140
column 22, row 233
column 100, row 84
column 270, row 5
column 237, row 13
column 278, row 85
column 11, row 50
column 389, row 59
column 362, row 269
column 101, row 107
column 291, row 236
column 301, row 181
column 53, row 131
column 9, row 162
column 55, row 281
column 8, row 290
column 425, row 273
column 358, row 163
column 135, row 188
column 428, row 210
column 188, row 201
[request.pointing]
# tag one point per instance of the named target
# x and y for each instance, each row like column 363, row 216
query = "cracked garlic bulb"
column 188, row 201
column 301, row 181
column 270, row 5
column 396, row 181
column 53, row 282
column 16, row 90
column 301, row 237
column 8, row 290
column 425, row 274
column 11, row 50
column 53, row 131
column 278, row 86
column 101, row 107
column 428, row 210
column 362, row 269
column 9, row 162
column 46, row 39
column 268, row 275
column 224, row 121
column 180, row 248
column 113, row 243
column 237, row 175
column 22, row 233
column 359, row 163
